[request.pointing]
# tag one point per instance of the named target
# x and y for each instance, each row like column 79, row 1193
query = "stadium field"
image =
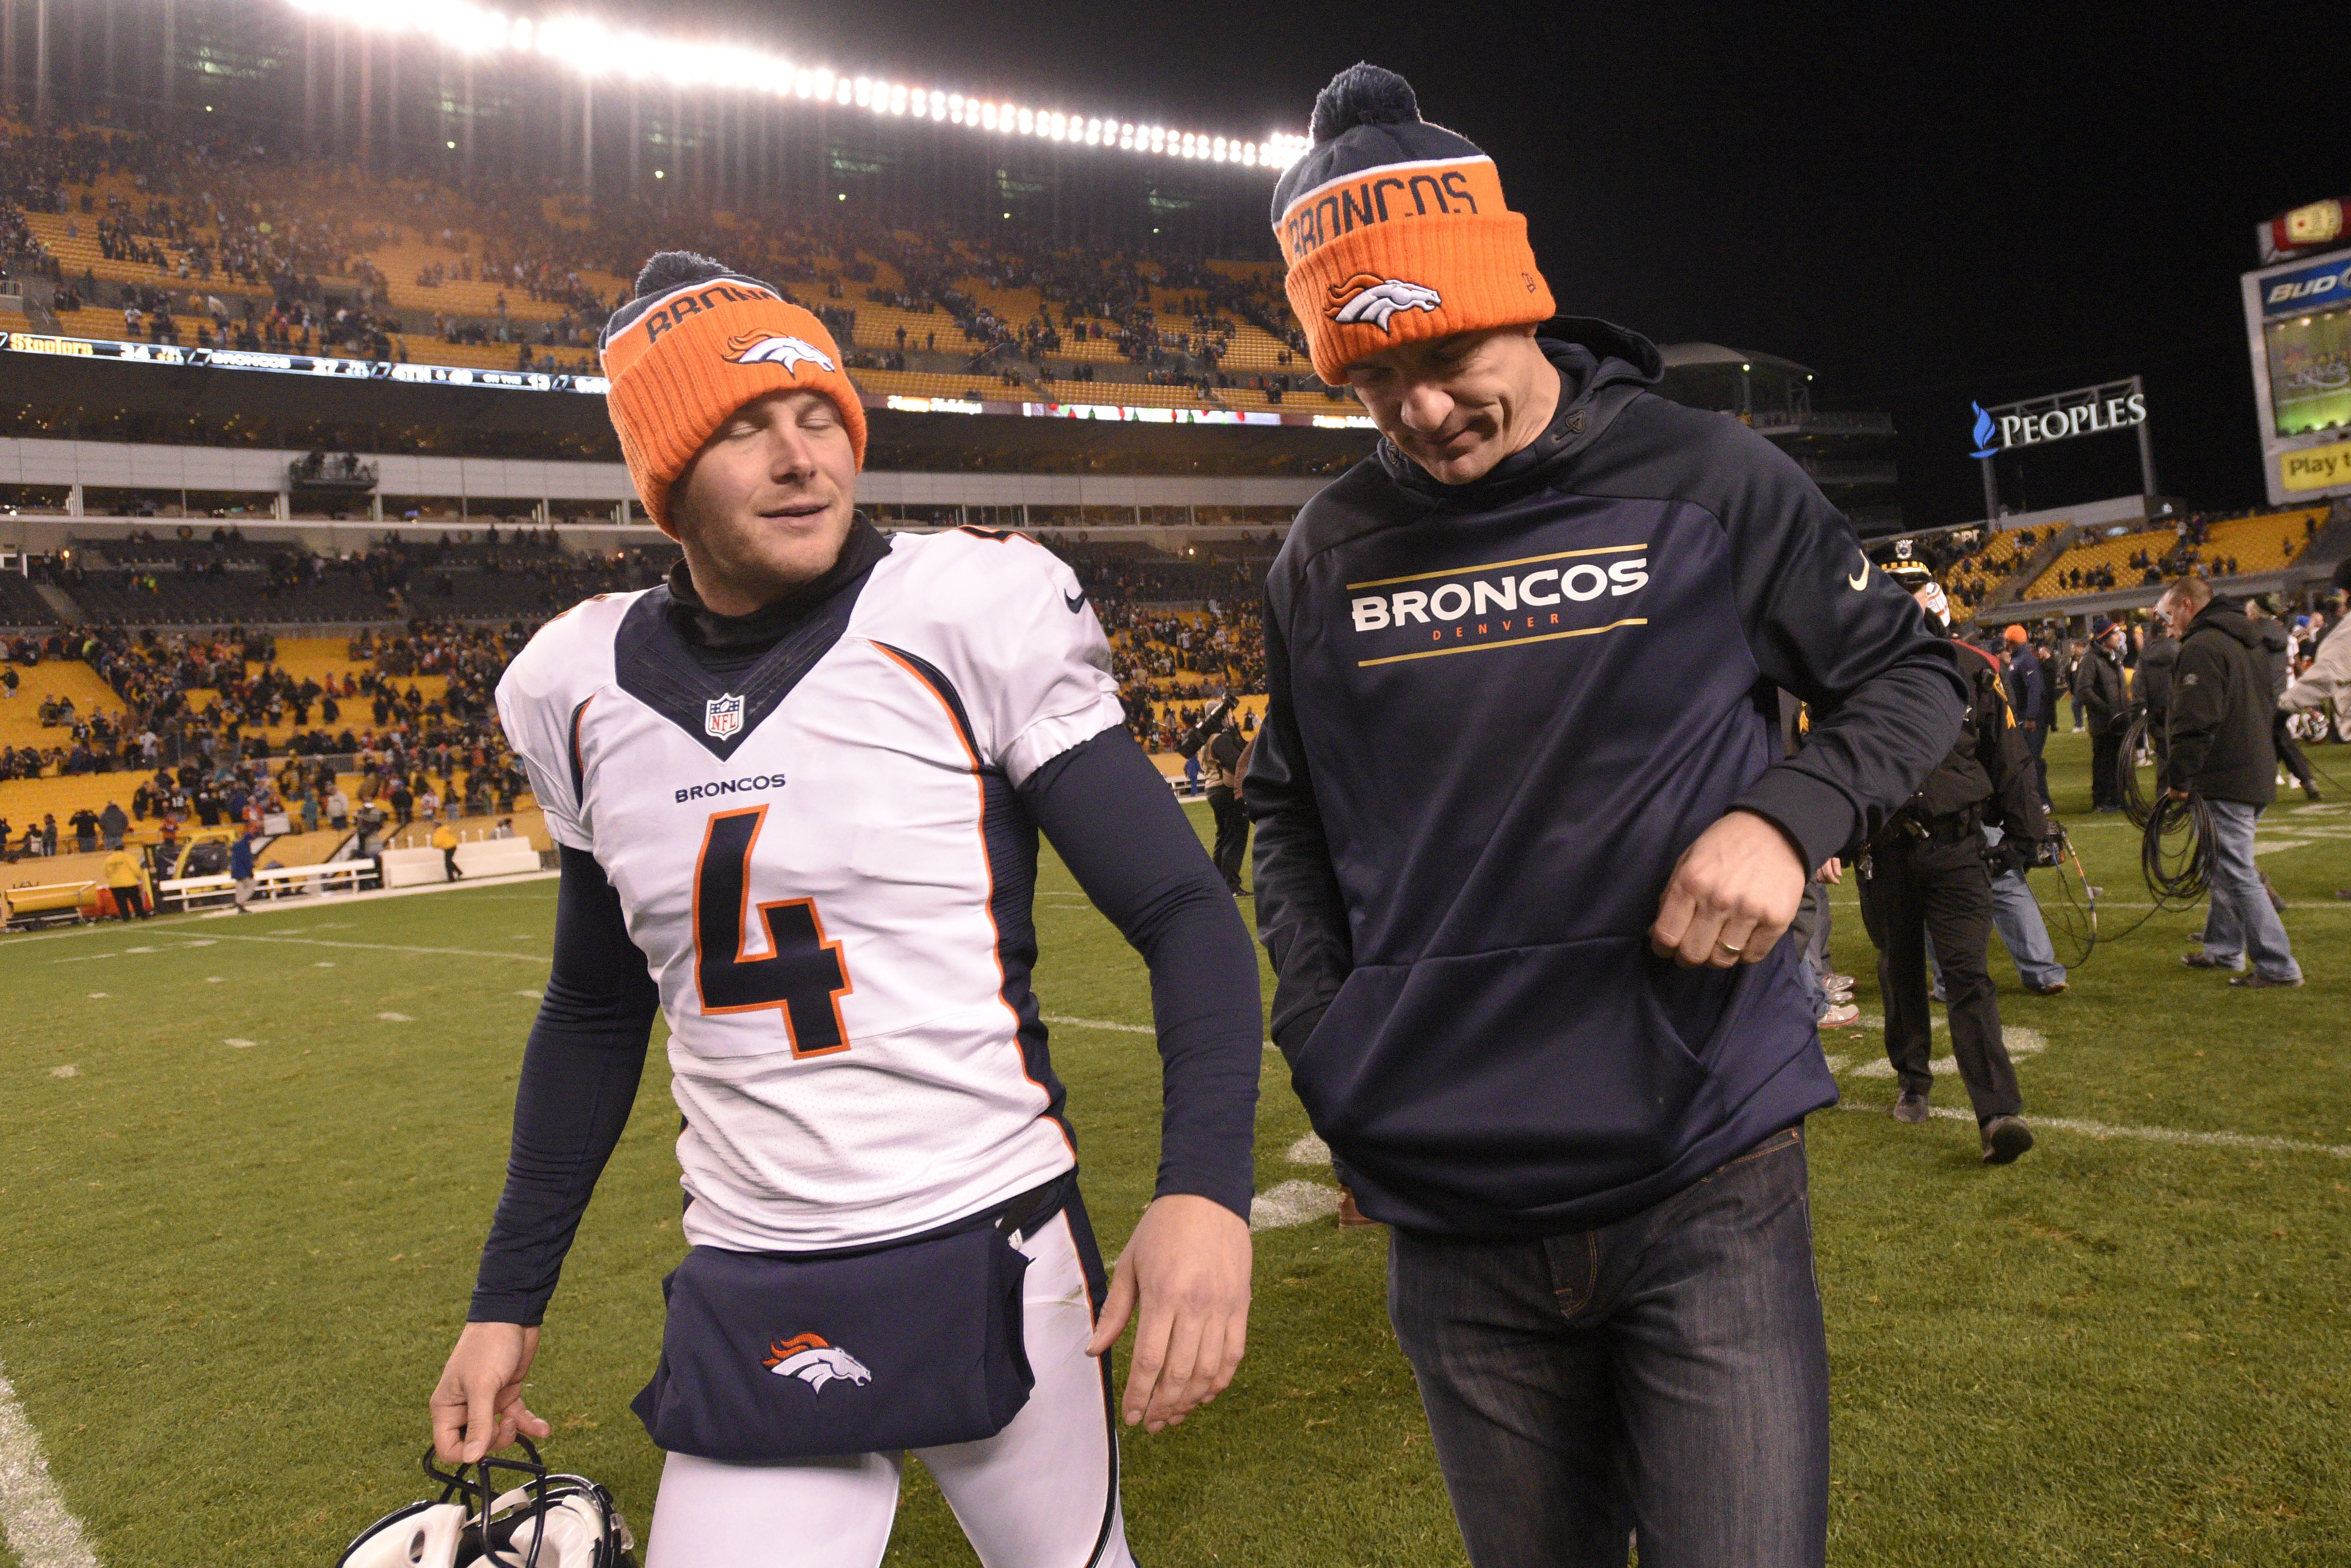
column 249, row 1162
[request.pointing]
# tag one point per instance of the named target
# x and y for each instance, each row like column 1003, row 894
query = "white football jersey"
column 823, row 860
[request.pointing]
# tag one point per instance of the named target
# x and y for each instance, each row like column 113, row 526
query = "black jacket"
column 1499, row 712
column 2278, row 647
column 2157, row 663
column 2220, row 708
column 2099, row 682
column 1989, row 767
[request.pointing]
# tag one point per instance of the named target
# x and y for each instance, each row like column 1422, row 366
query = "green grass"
column 228, row 1276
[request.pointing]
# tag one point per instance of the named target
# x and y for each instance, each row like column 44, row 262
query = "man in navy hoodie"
column 1527, row 844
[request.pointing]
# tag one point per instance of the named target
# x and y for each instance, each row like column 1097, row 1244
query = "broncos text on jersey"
column 831, row 883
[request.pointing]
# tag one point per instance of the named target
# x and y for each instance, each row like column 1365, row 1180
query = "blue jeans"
column 2241, row 914
column 1666, row 1377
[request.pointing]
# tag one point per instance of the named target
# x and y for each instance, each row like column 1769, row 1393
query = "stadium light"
column 594, row 50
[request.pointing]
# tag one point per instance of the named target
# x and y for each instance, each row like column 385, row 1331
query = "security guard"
column 1925, row 875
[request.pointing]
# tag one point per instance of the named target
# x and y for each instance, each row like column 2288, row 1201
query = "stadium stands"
column 1184, row 631
column 183, row 598
column 21, row 603
column 2224, row 548
column 206, row 243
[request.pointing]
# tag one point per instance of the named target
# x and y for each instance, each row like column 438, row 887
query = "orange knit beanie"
column 695, row 344
column 1395, row 230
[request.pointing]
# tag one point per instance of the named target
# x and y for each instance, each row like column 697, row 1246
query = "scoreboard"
column 2298, row 329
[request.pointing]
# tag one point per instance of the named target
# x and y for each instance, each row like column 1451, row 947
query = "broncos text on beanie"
column 1394, row 229
column 696, row 343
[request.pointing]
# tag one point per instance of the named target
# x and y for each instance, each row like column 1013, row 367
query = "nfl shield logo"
column 722, row 717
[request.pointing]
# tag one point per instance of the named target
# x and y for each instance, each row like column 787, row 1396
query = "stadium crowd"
column 209, row 759
column 253, row 249
column 198, row 710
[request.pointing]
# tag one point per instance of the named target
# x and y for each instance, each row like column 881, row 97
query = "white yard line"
column 540, row 958
column 1116, row 1028
column 40, row 1530
column 2258, row 1143
column 1099, row 1023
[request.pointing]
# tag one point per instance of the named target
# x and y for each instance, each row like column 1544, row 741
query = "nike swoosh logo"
column 1862, row 581
column 1076, row 601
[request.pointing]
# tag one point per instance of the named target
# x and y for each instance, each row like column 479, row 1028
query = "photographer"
column 1928, row 874
column 2222, row 701
column 1217, row 745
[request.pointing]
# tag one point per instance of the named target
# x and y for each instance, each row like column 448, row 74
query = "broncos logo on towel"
column 772, row 349
column 815, row 1362
column 1365, row 297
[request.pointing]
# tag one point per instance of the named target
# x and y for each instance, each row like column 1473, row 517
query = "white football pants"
column 1042, row 1493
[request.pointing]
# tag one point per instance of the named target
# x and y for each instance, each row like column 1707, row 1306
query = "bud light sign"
column 2319, row 287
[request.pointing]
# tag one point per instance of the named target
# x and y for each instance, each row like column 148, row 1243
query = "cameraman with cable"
column 2103, row 689
column 1928, row 874
column 2221, row 757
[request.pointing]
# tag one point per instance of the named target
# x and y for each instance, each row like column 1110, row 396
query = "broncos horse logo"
column 815, row 1362
column 1367, row 297
column 773, row 348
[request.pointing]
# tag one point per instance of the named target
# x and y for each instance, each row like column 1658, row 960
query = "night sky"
column 1926, row 204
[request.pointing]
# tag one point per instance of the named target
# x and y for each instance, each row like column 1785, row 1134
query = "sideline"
column 307, row 901
column 40, row 1530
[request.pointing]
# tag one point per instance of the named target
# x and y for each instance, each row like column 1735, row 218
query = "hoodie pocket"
column 1503, row 1075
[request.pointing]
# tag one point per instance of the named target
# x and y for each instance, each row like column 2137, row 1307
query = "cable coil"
column 2134, row 794
column 2175, row 850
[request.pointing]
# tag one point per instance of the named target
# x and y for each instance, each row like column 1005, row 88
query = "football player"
column 796, row 793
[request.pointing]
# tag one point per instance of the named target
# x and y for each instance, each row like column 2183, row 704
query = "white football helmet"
column 550, row 1521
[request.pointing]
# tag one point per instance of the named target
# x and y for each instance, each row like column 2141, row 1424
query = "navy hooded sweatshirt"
column 1500, row 713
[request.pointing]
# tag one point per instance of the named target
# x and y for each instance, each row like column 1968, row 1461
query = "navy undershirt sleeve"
column 1109, row 812
column 580, row 1075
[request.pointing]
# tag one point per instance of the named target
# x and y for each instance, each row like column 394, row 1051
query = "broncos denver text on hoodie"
column 1500, row 712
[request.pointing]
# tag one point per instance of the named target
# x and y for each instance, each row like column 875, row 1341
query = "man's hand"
column 1832, row 872
column 2175, row 794
column 1187, row 1266
column 478, row 1409
column 1732, row 894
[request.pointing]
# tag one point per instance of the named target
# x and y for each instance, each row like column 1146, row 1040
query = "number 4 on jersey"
column 801, row 976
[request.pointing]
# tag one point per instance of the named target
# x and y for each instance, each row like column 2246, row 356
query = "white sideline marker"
column 2255, row 1142
column 40, row 1530
column 389, row 947
column 1292, row 1203
column 1098, row 1023
column 2023, row 1044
